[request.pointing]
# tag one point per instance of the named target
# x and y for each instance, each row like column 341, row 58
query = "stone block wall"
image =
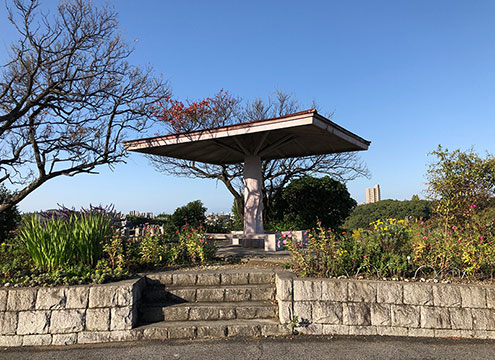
column 359, row 307
column 68, row 315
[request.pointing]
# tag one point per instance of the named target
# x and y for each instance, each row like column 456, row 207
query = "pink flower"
column 425, row 238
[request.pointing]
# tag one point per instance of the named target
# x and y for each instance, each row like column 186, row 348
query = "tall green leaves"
column 54, row 243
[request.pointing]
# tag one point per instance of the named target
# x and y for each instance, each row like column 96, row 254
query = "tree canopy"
column 224, row 109
column 68, row 95
column 305, row 201
column 363, row 215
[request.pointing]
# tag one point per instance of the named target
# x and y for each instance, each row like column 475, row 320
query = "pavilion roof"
column 300, row 134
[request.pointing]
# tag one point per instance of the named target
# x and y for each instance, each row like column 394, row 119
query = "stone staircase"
column 209, row 303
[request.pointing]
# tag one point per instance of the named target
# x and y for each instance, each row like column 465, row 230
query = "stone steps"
column 209, row 303
column 152, row 312
column 210, row 329
column 209, row 293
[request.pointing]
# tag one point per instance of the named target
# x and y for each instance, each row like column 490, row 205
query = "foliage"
column 457, row 180
column 381, row 251
column 9, row 219
column 68, row 95
column 53, row 242
column 193, row 246
column 462, row 249
column 222, row 224
column 365, row 214
column 192, row 214
column 306, row 200
column 224, row 109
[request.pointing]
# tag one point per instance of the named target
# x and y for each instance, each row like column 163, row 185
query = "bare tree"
column 224, row 110
column 68, row 95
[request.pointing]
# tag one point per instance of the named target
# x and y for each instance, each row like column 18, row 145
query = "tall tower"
column 373, row 194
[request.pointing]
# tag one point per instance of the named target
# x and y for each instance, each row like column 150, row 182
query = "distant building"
column 373, row 194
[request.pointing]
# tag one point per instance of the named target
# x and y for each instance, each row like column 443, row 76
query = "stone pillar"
column 253, row 197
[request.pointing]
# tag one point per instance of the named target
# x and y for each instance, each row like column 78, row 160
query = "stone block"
column 123, row 318
column 285, row 311
column 483, row 319
column 175, row 313
column 325, row 312
column 67, row 321
column 241, row 278
column 447, row 295
column 446, row 333
column 274, row 330
column 8, row 323
column 435, row 317
column 405, row 316
column 392, row 331
column 226, row 314
column 311, row 329
column 186, row 332
column 155, row 334
column 284, row 286
column 33, row 322
column 261, row 277
column 101, row 296
column 21, row 299
column 124, row 295
column 334, row 290
column 203, row 313
column 36, row 340
column 256, row 312
column 214, row 295
column 307, row 289
column 64, row 339
column 361, row 291
column 93, row 337
column 10, row 340
column 189, row 294
column 184, row 279
column 483, row 334
column 212, row 331
column 329, row 329
column 473, row 296
column 51, row 298
column 357, row 314
column 163, row 278
column 490, row 297
column 381, row 314
column 303, row 311
column 126, row 335
column 3, row 299
column 208, row 279
column 263, row 294
column 77, row 297
column 417, row 332
column 363, row 330
column 98, row 319
column 389, row 292
column 461, row 318
column 418, row 294
column 236, row 294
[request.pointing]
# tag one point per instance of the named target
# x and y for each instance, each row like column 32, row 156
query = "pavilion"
column 295, row 135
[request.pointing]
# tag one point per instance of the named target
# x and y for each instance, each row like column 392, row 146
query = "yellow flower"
column 3, row 244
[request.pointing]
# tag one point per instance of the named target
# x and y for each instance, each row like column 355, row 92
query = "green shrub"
column 9, row 219
column 307, row 200
column 193, row 246
column 363, row 215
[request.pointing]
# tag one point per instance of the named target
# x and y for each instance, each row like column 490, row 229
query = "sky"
column 406, row 75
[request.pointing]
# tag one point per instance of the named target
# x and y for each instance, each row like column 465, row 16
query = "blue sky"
column 407, row 75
